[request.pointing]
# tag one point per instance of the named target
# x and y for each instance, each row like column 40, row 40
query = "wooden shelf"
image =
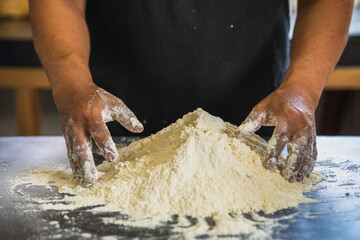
column 27, row 81
column 344, row 78
column 23, row 77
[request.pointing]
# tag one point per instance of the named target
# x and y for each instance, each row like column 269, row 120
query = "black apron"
column 165, row 58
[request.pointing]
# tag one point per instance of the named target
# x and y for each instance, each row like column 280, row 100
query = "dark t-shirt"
column 165, row 58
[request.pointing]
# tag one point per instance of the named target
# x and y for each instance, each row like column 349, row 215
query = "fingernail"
column 136, row 124
column 86, row 184
column 271, row 163
column 298, row 179
column 291, row 179
column 110, row 157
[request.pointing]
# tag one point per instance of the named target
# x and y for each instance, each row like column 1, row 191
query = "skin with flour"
column 295, row 126
column 318, row 40
column 64, row 49
column 103, row 107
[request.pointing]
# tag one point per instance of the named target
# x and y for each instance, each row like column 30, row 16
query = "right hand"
column 83, row 114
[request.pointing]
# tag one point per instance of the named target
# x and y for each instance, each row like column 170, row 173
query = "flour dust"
column 194, row 168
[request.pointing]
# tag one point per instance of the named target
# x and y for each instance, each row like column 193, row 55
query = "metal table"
column 337, row 216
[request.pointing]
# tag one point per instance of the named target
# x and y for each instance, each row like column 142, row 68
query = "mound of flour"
column 195, row 166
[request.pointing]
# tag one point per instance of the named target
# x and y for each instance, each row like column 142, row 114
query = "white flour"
column 194, row 167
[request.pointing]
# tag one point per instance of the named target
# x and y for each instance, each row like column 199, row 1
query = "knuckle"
column 93, row 119
column 97, row 125
column 89, row 113
column 308, row 123
column 258, row 111
column 102, row 140
column 257, row 108
column 71, row 123
column 302, row 127
column 98, row 129
column 282, row 137
column 261, row 106
column 120, row 102
column 67, row 123
column 82, row 154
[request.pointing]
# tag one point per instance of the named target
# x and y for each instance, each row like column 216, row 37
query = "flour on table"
column 194, row 167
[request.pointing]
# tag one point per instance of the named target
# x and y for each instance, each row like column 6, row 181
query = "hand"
column 292, row 113
column 83, row 114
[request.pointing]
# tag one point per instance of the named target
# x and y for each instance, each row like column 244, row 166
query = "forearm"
column 320, row 35
column 61, row 40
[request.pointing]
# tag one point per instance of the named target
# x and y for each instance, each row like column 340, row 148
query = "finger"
column 101, row 135
column 295, row 158
column 276, row 145
column 82, row 158
column 126, row 117
column 307, row 160
column 252, row 123
column 314, row 156
column 68, row 133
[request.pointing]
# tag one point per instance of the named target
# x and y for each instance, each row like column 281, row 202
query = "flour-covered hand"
column 292, row 114
column 83, row 114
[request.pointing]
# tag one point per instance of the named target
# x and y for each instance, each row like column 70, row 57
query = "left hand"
column 292, row 113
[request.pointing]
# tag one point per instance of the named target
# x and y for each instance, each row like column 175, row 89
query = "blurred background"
column 27, row 107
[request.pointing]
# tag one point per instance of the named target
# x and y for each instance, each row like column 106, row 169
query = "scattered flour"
column 194, row 167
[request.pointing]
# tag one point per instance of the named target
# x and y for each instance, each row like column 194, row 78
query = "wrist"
column 67, row 71
column 309, row 86
column 67, row 84
column 71, row 83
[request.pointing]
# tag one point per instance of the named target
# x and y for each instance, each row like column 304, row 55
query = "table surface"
column 336, row 216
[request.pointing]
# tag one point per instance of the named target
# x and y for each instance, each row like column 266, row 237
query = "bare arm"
column 320, row 36
column 62, row 42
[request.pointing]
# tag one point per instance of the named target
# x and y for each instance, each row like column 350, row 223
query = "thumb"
column 252, row 123
column 126, row 118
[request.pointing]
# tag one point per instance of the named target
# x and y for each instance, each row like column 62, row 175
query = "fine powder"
column 195, row 167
